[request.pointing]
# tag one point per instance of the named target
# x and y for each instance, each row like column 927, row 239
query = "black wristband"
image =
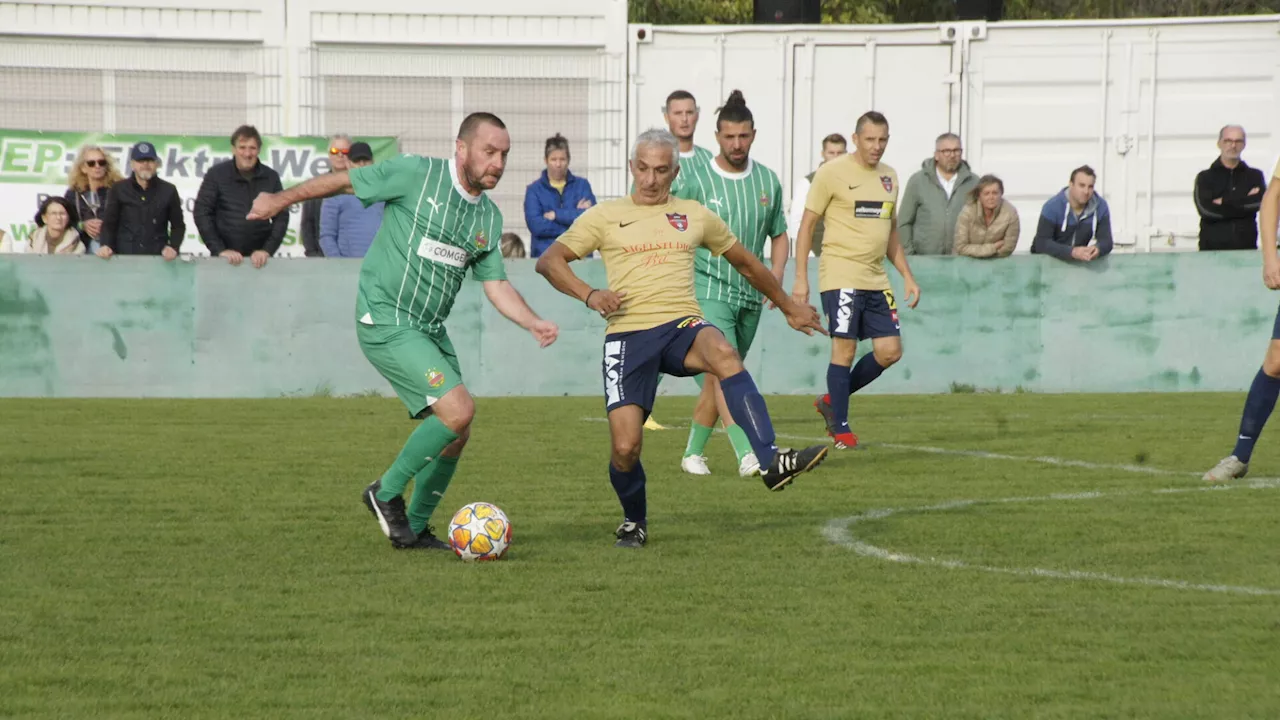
column 587, row 300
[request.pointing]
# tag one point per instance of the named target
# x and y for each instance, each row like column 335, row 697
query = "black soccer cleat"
column 427, row 540
column 788, row 463
column 390, row 516
column 631, row 535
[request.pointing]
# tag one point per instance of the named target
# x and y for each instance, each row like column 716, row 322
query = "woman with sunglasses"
column 93, row 173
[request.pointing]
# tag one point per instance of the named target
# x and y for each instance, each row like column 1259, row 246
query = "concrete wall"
column 138, row 327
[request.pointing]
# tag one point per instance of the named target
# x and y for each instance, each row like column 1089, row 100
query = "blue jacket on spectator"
column 347, row 227
column 540, row 197
column 1060, row 230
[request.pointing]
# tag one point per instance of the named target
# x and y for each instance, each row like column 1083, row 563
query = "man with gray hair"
column 933, row 199
column 1228, row 195
column 647, row 242
column 309, row 232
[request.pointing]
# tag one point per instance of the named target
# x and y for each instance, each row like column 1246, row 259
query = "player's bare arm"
column 778, row 252
column 507, row 300
column 898, row 257
column 1268, row 215
column 553, row 265
column 802, row 317
column 804, row 243
column 268, row 205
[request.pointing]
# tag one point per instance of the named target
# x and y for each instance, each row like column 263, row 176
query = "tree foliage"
column 737, row 12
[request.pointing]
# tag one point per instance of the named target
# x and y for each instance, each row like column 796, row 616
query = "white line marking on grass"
column 980, row 454
column 838, row 531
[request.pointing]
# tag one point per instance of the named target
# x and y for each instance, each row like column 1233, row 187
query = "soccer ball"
column 480, row 531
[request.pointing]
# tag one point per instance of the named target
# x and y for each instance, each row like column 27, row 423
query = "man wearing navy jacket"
column 1073, row 219
column 556, row 199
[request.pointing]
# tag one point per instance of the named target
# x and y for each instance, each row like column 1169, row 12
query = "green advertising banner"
column 34, row 165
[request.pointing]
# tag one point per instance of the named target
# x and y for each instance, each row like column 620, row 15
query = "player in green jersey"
column 437, row 224
column 748, row 197
column 681, row 113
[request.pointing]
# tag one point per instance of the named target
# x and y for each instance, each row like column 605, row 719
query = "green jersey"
column 750, row 203
column 432, row 231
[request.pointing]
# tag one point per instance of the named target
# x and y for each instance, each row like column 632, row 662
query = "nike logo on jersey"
column 854, row 187
column 622, row 224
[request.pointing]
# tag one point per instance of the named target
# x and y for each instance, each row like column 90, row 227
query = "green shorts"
column 738, row 324
column 420, row 367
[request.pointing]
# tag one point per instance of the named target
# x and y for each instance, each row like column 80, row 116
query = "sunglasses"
column 337, row 151
column 96, row 163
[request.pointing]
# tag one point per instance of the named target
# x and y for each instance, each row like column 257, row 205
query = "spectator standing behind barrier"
column 1072, row 219
column 347, row 227
column 91, row 177
column 556, row 199
column 988, row 226
column 55, row 233
column 144, row 212
column 512, row 246
column 933, row 199
column 1228, row 196
column 833, row 146
column 224, row 199
column 309, row 224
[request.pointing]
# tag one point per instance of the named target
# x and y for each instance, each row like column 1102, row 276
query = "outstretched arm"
column 268, row 205
column 801, row 317
column 553, row 265
column 507, row 300
column 1268, row 216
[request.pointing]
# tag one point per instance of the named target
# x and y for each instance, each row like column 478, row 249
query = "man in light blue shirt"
column 347, row 227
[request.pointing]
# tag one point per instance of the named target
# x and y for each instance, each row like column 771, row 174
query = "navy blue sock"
column 866, row 370
column 838, row 378
column 1257, row 408
column 630, row 488
column 749, row 412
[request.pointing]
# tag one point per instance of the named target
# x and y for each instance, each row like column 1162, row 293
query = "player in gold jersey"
column 647, row 242
column 856, row 197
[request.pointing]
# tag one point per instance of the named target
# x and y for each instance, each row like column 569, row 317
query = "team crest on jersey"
column 887, row 182
column 435, row 378
column 481, row 240
column 764, row 199
column 678, row 221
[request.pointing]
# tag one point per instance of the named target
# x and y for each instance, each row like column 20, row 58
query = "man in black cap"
column 144, row 213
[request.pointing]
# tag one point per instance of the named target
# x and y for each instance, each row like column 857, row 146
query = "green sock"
column 698, row 435
column 700, row 378
column 428, row 489
column 738, row 436
column 424, row 445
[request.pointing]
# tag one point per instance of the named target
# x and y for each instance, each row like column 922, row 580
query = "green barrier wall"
column 140, row 327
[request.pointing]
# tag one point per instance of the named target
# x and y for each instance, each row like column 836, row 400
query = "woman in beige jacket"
column 988, row 226
column 55, row 234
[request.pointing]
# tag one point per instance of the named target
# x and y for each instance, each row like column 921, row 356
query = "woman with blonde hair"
column 988, row 226
column 93, row 173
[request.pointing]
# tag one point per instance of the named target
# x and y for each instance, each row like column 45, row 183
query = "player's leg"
column 430, row 485
column 880, row 323
column 630, row 369
column 419, row 370
column 747, row 321
column 707, row 410
column 842, row 313
column 1257, row 409
column 710, row 352
column 626, row 474
column 649, row 422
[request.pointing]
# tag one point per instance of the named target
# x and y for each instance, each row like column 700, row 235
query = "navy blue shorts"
column 861, row 314
column 633, row 361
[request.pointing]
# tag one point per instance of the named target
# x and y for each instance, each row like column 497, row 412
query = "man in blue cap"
column 144, row 213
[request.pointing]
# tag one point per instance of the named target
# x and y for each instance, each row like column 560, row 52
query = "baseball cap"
column 143, row 151
column 360, row 151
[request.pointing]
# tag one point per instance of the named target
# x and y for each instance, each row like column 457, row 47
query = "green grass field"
column 211, row 559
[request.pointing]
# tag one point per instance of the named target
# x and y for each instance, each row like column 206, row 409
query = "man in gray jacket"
column 933, row 199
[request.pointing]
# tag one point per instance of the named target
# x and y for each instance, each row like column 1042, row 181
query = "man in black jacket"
column 1228, row 196
column 144, row 213
column 225, row 196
